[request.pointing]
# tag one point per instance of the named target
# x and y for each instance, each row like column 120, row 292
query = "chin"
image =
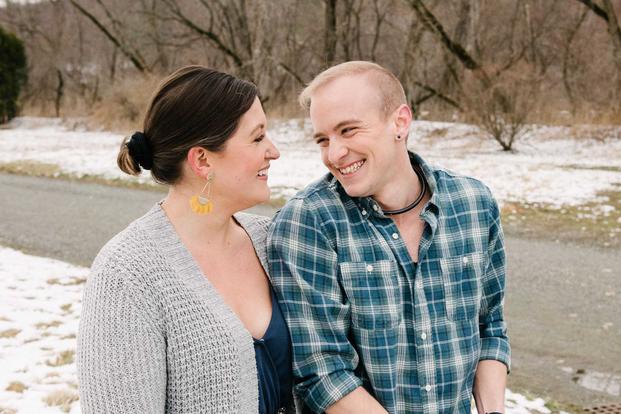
column 355, row 190
column 261, row 197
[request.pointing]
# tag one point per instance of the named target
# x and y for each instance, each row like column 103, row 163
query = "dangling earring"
column 201, row 203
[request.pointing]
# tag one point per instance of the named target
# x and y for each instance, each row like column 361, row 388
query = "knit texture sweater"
column 155, row 336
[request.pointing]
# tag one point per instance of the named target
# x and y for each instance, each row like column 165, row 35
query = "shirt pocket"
column 461, row 276
column 373, row 291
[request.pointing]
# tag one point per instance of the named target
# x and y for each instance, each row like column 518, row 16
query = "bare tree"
column 118, row 41
column 447, row 54
column 607, row 13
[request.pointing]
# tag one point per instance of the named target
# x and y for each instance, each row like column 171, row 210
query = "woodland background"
column 498, row 63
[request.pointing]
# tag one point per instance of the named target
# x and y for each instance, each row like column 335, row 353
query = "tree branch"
column 137, row 62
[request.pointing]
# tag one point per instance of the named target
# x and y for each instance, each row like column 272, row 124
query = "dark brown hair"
column 194, row 106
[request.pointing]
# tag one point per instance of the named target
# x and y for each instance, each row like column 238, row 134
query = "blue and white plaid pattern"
column 361, row 312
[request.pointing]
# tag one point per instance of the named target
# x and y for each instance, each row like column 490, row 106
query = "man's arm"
column 358, row 401
column 490, row 382
column 495, row 359
column 304, row 270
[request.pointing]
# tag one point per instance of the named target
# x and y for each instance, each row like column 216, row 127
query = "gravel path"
column 563, row 306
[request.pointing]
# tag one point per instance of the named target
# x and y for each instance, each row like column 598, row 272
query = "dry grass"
column 61, row 399
column 64, row 358
column 66, row 307
column 123, row 106
column 4, row 410
column 9, row 333
column 32, row 168
column 17, row 386
column 572, row 224
column 36, row 169
column 47, row 325
column 73, row 281
column 596, row 132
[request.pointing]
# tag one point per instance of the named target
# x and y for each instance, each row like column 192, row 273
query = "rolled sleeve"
column 328, row 389
column 303, row 268
column 493, row 329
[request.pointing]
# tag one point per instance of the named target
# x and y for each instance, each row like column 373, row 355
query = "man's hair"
column 389, row 89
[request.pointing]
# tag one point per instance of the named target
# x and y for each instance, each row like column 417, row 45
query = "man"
column 389, row 271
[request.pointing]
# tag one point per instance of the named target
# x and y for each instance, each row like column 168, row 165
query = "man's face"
column 356, row 138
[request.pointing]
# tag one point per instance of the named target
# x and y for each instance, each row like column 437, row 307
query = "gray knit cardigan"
column 155, row 336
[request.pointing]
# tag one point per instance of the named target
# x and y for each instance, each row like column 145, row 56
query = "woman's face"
column 241, row 169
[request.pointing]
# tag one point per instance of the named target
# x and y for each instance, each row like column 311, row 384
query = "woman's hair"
column 194, row 106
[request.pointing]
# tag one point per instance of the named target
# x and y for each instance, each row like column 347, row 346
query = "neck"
column 214, row 228
column 401, row 187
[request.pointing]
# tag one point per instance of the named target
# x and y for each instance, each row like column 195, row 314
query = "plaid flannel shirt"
column 361, row 312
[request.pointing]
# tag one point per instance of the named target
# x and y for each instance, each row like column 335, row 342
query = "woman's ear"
column 199, row 161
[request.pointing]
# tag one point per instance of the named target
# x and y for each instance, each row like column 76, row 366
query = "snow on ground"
column 557, row 166
column 39, row 315
column 39, row 312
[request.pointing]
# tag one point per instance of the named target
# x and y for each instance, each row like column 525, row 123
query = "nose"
column 272, row 152
column 336, row 151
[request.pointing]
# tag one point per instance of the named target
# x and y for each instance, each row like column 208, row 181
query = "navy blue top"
column 273, row 355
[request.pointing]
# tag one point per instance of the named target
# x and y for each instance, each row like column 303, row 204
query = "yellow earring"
column 201, row 203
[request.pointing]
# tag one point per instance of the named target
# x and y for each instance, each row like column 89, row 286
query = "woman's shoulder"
column 254, row 224
column 129, row 250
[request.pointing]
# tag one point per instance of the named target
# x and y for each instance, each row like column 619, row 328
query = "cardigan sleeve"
column 121, row 355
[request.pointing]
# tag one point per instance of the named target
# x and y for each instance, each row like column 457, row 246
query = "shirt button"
column 369, row 268
column 465, row 260
column 427, row 387
column 423, row 336
column 364, row 212
column 395, row 236
column 375, row 207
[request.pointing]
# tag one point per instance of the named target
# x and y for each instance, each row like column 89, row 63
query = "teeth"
column 262, row 173
column 352, row 168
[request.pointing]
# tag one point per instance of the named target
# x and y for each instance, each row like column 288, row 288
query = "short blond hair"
column 389, row 88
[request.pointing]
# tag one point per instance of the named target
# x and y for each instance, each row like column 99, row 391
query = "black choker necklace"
column 423, row 190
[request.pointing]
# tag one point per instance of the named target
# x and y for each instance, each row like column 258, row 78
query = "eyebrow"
column 339, row 126
column 258, row 127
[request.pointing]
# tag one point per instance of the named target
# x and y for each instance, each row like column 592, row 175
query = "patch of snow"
column 39, row 316
column 552, row 165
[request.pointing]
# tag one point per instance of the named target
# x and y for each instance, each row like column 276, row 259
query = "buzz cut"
column 390, row 91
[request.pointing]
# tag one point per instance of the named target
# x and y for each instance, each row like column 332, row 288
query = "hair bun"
column 140, row 150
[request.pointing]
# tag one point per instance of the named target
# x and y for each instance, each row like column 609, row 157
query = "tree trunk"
column 330, row 32
column 615, row 37
column 60, row 91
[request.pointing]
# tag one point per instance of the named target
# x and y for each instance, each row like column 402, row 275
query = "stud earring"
column 398, row 138
column 201, row 203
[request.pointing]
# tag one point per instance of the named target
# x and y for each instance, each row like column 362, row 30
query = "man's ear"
column 200, row 161
column 402, row 119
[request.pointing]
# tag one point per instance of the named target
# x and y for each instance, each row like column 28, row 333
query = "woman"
column 178, row 314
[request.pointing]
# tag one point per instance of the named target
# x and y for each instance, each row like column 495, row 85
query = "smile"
column 263, row 172
column 352, row 168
